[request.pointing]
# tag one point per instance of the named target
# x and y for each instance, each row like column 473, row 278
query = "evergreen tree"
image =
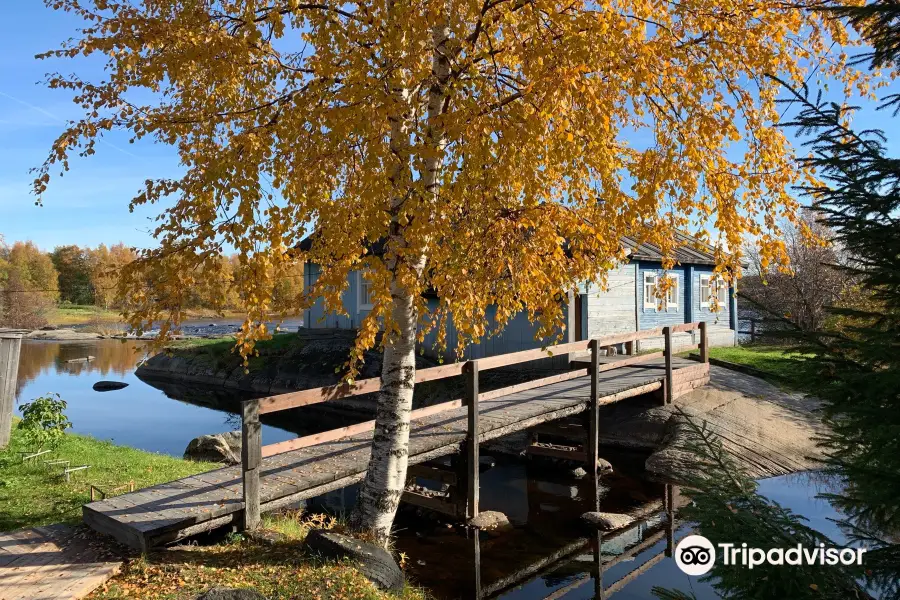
column 859, row 356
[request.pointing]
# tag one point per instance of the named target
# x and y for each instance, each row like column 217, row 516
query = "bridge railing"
column 252, row 450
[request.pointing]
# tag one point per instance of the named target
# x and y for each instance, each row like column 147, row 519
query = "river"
column 543, row 555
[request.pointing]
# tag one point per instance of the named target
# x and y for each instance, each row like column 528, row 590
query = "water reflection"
column 139, row 415
column 117, row 357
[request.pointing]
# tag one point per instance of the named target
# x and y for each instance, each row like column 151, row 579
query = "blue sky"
column 89, row 205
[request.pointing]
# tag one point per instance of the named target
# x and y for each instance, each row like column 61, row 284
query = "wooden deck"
column 51, row 563
column 177, row 509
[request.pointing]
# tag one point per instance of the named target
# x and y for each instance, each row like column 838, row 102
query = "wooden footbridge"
column 278, row 475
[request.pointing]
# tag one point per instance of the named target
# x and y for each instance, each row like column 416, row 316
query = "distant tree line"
column 33, row 282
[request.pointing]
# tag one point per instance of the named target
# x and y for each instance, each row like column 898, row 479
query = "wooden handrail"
column 253, row 451
column 308, row 397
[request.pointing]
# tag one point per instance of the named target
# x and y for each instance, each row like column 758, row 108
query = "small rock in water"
column 108, row 386
column 489, row 519
column 578, row 472
column 221, row 593
column 80, row 360
column 607, row 521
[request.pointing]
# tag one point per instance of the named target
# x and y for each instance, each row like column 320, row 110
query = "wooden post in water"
column 10, row 345
column 704, row 343
column 471, row 389
column 594, row 416
column 251, row 458
column 669, row 502
column 667, row 332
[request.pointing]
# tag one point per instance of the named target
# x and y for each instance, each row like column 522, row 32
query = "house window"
column 672, row 294
column 711, row 287
column 650, row 299
column 650, row 293
column 365, row 293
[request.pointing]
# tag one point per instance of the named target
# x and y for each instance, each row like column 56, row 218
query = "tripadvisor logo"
column 696, row 555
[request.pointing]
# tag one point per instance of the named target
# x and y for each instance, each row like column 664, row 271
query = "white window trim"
column 720, row 285
column 359, row 293
column 708, row 279
column 674, row 305
column 650, row 300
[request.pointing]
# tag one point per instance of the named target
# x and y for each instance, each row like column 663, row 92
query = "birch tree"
column 498, row 149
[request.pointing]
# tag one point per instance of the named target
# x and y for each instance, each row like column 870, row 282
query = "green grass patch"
column 79, row 314
column 32, row 494
column 790, row 367
column 220, row 351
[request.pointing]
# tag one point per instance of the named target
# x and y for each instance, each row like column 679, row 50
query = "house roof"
column 690, row 250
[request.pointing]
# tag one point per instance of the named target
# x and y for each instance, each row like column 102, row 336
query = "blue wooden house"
column 629, row 303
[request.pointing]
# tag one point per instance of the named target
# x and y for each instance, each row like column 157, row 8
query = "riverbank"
column 66, row 315
column 33, row 494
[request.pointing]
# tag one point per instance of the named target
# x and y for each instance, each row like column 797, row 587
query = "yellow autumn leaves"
column 562, row 126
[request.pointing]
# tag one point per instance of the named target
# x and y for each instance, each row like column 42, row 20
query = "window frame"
column 716, row 283
column 650, row 300
column 673, row 288
column 359, row 292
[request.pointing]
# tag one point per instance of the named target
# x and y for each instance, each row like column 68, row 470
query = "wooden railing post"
column 594, row 414
column 251, row 458
column 10, row 345
column 704, row 343
column 471, row 389
column 667, row 332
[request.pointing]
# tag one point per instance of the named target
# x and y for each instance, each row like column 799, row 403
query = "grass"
column 84, row 314
column 218, row 351
column 283, row 569
column 788, row 366
column 32, row 494
column 80, row 314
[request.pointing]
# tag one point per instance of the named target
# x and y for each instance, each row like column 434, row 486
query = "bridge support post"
column 669, row 502
column 594, row 415
column 668, row 391
column 704, row 343
column 10, row 344
column 251, row 458
column 471, row 388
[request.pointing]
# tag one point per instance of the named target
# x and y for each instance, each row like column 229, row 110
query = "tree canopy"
column 511, row 141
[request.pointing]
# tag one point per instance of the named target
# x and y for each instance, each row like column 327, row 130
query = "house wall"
column 611, row 310
column 651, row 318
column 315, row 317
column 722, row 317
column 518, row 335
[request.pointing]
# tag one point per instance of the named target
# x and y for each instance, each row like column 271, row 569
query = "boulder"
column 489, row 520
column 218, row 447
column 374, row 562
column 578, row 472
column 221, row 593
column 607, row 521
column 108, row 386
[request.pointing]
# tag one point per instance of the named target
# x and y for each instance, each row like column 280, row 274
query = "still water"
column 139, row 415
column 544, row 555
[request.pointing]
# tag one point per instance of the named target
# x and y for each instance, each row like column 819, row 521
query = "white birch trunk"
column 381, row 490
